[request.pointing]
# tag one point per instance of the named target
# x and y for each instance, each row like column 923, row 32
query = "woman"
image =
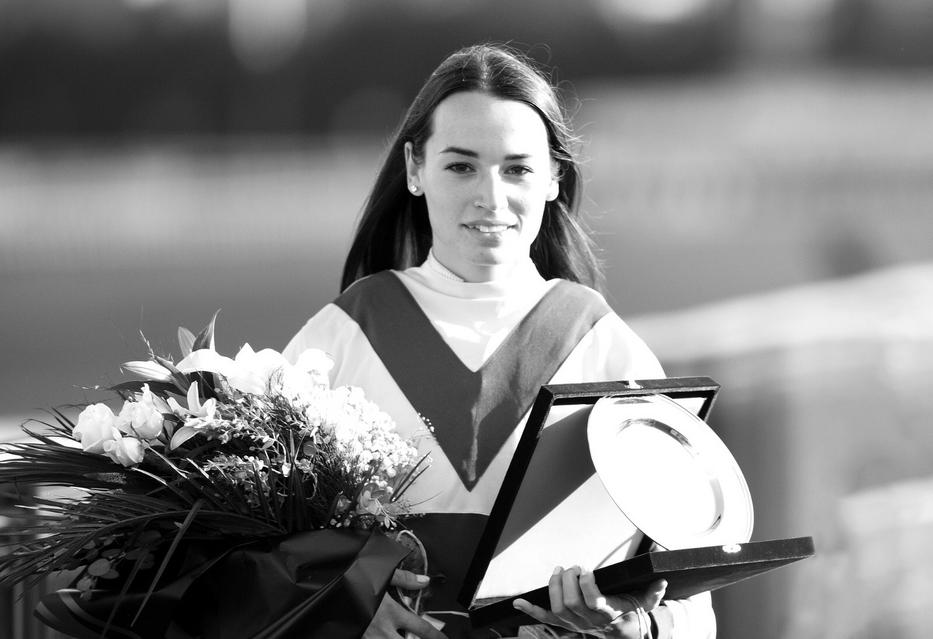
column 467, row 287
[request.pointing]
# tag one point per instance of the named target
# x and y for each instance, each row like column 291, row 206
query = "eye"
column 519, row 169
column 459, row 167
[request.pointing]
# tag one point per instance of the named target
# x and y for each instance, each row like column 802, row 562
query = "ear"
column 553, row 189
column 412, row 168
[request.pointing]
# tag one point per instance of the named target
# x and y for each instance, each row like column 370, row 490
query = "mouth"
column 489, row 228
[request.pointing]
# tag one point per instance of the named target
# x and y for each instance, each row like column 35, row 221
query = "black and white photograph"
column 603, row 319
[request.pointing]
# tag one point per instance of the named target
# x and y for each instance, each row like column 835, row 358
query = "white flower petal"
column 208, row 408
column 182, row 435
column 177, row 408
column 206, row 360
column 194, row 403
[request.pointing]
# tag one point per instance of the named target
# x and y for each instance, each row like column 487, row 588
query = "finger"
column 537, row 612
column 555, row 591
column 573, row 598
column 409, row 580
column 595, row 600
column 654, row 593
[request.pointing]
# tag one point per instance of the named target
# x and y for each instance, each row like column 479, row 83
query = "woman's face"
column 486, row 175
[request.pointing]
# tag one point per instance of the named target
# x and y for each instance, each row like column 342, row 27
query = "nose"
column 491, row 193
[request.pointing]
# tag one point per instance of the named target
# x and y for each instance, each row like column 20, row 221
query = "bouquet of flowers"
column 226, row 497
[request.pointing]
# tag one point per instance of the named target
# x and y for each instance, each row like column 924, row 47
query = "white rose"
column 140, row 419
column 95, row 428
column 127, row 451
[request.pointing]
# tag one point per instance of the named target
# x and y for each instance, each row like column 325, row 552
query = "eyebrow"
column 473, row 154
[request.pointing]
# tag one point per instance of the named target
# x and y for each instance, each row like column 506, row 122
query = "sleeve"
column 691, row 618
column 612, row 351
column 329, row 330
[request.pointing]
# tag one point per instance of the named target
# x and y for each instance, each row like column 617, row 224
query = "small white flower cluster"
column 366, row 436
column 370, row 450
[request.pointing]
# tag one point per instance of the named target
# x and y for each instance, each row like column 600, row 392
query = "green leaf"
column 185, row 341
column 410, row 477
column 182, row 381
column 205, row 339
column 99, row 568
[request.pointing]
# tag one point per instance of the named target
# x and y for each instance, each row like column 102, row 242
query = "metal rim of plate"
column 675, row 435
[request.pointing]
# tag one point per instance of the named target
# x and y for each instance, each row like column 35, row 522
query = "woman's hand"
column 578, row 605
column 392, row 617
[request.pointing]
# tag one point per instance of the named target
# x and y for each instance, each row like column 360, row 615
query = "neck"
column 476, row 274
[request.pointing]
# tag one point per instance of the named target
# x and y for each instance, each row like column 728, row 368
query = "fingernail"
column 557, row 570
column 422, row 579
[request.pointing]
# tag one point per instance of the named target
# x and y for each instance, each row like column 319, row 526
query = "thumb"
column 409, row 580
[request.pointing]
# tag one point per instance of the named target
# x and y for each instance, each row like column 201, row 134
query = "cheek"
column 531, row 224
column 442, row 212
column 534, row 205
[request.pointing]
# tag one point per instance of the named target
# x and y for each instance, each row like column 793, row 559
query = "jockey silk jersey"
column 457, row 365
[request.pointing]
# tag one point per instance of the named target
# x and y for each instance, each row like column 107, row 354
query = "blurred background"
column 759, row 177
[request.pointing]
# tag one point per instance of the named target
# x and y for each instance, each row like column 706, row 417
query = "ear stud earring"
column 413, row 189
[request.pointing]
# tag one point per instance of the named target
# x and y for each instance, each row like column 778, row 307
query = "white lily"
column 207, row 361
column 196, row 415
column 256, row 372
column 254, row 369
column 247, row 373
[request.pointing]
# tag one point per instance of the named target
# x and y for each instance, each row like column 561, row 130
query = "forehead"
column 470, row 118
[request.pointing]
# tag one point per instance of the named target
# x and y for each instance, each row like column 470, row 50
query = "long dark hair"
column 394, row 232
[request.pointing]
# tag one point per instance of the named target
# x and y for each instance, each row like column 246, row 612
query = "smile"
column 489, row 228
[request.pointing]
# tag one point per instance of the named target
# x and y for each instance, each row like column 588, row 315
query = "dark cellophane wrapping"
column 318, row 583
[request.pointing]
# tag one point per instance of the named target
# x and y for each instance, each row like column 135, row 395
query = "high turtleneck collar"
column 433, row 264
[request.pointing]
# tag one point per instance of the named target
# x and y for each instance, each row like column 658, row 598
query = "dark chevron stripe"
column 472, row 413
